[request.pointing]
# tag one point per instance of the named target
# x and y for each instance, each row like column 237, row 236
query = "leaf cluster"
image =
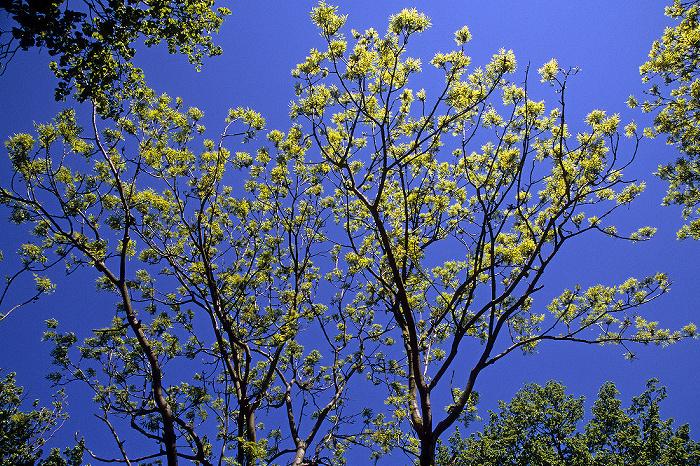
column 23, row 433
column 674, row 98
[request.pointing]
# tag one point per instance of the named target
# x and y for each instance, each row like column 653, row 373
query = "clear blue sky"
column 264, row 40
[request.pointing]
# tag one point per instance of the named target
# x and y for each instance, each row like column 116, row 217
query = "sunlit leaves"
column 543, row 425
column 504, row 205
column 463, row 36
column 326, row 18
column 24, row 433
column 549, row 71
column 674, row 98
column 408, row 22
column 382, row 234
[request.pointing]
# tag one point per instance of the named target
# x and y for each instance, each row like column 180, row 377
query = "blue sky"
column 264, row 40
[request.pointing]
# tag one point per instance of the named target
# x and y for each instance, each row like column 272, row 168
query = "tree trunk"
column 300, row 454
column 169, row 435
column 246, row 430
column 427, row 450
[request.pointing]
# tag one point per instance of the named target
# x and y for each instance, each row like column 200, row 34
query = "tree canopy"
column 541, row 426
column 259, row 286
column 674, row 99
column 24, row 433
column 94, row 41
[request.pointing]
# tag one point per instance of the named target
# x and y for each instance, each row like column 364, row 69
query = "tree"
column 264, row 300
column 541, row 426
column 508, row 206
column 22, row 434
column 674, row 98
column 248, row 265
column 94, row 41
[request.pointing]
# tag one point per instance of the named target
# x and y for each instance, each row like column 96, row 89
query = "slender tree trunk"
column 300, row 454
column 251, row 434
column 169, row 436
column 246, row 430
column 427, row 450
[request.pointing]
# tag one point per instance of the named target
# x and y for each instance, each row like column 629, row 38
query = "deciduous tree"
column 24, row 433
column 94, row 41
column 388, row 233
column 542, row 426
column 245, row 265
column 414, row 176
column 674, row 99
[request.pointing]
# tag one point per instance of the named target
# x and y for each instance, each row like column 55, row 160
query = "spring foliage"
column 94, row 41
column 542, row 426
column 260, row 291
column 674, row 99
column 24, row 433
